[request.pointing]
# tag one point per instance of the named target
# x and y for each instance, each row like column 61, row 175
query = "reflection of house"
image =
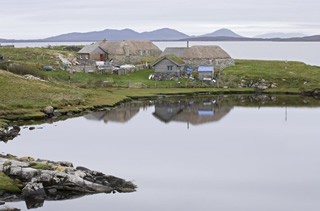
column 123, row 52
column 195, row 113
column 122, row 114
column 168, row 67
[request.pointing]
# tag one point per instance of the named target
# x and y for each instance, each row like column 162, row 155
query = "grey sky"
column 43, row 18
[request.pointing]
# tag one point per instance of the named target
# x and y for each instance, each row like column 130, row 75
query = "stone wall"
column 195, row 63
column 166, row 76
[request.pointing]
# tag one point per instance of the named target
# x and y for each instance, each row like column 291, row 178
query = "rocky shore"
column 41, row 180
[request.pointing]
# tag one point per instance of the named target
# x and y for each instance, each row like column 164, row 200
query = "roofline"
column 159, row 60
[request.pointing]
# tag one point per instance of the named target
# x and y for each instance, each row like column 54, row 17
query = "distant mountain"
column 163, row 34
column 221, row 33
column 280, row 35
column 125, row 34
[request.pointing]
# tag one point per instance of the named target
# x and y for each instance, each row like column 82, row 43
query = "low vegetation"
column 8, row 185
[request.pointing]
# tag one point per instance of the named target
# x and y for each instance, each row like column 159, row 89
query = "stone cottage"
column 206, row 56
column 124, row 52
column 169, row 67
column 92, row 52
column 202, row 56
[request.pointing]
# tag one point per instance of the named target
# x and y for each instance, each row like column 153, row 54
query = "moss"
column 8, row 185
column 40, row 166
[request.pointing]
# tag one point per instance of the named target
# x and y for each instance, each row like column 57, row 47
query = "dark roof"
column 90, row 48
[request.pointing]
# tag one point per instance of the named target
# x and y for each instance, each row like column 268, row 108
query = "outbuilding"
column 205, row 73
column 169, row 67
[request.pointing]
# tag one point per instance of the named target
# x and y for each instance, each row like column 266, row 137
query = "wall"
column 195, row 63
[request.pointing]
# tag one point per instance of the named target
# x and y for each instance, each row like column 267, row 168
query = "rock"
column 2, row 202
column 273, row 86
column 262, row 86
column 9, row 209
column 34, row 190
column 32, row 128
column 56, row 113
column 65, row 164
column 5, row 126
column 48, row 110
column 70, row 113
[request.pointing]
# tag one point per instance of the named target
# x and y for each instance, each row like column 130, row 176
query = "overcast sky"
column 30, row 19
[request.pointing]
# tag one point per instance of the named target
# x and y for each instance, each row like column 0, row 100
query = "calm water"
column 219, row 153
column 306, row 52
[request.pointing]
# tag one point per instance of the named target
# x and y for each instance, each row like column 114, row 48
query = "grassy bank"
column 8, row 185
column 24, row 99
column 286, row 75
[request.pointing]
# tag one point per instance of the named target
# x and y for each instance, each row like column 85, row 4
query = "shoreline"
column 64, row 113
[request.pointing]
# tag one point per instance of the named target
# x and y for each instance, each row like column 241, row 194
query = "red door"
column 101, row 57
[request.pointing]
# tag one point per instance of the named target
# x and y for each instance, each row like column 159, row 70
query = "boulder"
column 48, row 110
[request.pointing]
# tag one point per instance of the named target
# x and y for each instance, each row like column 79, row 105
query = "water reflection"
column 195, row 113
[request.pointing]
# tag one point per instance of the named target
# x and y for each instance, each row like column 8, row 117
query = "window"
column 169, row 68
column 80, row 56
column 87, row 56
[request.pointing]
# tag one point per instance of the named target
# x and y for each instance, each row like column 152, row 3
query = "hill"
column 124, row 34
column 221, row 33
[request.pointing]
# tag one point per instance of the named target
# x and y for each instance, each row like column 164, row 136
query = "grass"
column 297, row 75
column 8, row 185
column 40, row 166
column 18, row 93
column 40, row 56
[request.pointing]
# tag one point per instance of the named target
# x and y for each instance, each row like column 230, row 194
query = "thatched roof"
column 172, row 58
column 175, row 51
column 205, row 52
column 117, row 47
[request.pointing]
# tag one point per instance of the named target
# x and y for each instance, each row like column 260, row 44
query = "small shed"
column 205, row 73
column 169, row 67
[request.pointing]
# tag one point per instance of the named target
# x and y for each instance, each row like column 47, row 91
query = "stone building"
column 206, row 56
column 92, row 52
column 169, row 67
column 122, row 52
column 202, row 56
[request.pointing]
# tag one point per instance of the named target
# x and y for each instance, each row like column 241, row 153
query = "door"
column 101, row 57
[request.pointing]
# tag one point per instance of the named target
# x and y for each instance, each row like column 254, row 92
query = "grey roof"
column 205, row 52
column 90, row 48
column 175, row 51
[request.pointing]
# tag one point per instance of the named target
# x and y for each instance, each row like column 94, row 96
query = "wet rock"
column 5, row 126
column 2, row 202
column 35, row 190
column 32, row 128
column 9, row 209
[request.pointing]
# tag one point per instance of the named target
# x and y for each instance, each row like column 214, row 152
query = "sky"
column 35, row 19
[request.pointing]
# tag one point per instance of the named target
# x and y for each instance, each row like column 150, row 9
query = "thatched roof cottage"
column 202, row 56
column 168, row 67
column 207, row 56
column 126, row 52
